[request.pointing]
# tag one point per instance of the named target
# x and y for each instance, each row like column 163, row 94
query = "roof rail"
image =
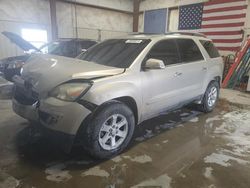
column 142, row 33
column 171, row 33
column 187, row 33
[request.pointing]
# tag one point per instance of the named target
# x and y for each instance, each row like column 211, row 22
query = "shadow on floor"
column 36, row 150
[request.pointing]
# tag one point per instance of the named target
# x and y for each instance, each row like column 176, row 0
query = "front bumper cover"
column 28, row 112
column 62, row 116
column 58, row 121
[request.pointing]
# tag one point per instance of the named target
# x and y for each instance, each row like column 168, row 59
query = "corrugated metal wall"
column 7, row 48
column 92, row 23
column 98, row 34
column 15, row 15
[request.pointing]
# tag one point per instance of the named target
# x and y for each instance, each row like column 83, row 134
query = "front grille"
column 25, row 97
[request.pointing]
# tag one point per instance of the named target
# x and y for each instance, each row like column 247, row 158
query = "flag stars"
column 190, row 16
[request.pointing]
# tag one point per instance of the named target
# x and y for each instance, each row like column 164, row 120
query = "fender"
column 101, row 93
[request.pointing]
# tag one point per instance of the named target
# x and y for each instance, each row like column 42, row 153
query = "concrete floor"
column 185, row 148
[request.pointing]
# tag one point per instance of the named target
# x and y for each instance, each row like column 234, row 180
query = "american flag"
column 220, row 20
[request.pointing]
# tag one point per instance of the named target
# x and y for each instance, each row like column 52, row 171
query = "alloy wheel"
column 212, row 96
column 113, row 132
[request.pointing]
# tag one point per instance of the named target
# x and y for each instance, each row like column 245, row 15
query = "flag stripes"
column 221, row 20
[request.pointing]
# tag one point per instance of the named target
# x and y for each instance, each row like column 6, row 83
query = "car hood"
column 13, row 59
column 45, row 72
column 19, row 41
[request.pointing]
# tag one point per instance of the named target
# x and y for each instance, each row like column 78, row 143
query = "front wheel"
column 210, row 97
column 110, row 130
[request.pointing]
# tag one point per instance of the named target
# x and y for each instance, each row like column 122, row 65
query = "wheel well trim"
column 131, row 103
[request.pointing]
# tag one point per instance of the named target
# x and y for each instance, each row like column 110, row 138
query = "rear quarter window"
column 210, row 48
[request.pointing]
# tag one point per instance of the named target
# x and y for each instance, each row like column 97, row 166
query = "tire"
column 99, row 140
column 209, row 103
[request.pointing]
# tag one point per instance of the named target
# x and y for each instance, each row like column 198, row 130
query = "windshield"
column 115, row 52
column 61, row 48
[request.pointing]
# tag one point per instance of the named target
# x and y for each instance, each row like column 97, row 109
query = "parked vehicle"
column 63, row 47
column 98, row 100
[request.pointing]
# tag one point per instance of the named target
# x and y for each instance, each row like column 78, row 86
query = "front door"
column 161, row 87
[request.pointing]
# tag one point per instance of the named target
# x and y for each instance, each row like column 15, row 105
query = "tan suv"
column 100, row 97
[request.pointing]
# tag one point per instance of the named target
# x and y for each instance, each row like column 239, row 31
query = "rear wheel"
column 210, row 97
column 110, row 130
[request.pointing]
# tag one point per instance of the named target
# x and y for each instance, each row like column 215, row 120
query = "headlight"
column 69, row 91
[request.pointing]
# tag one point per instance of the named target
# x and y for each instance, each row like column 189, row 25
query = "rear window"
column 210, row 48
column 189, row 51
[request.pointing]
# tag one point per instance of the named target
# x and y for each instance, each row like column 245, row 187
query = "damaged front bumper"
column 62, row 116
column 28, row 112
column 58, row 120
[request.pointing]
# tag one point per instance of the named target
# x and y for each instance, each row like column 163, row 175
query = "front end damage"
column 58, row 120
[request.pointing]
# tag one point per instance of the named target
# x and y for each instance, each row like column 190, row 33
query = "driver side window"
column 166, row 51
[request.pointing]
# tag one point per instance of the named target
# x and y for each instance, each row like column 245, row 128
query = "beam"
column 54, row 29
column 136, row 13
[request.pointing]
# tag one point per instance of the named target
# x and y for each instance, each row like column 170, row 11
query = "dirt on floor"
column 185, row 148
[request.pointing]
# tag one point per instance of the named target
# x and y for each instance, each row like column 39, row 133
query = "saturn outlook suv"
column 98, row 98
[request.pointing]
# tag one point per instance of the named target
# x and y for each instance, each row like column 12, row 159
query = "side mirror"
column 154, row 64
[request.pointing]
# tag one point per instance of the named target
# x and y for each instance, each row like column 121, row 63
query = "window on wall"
column 173, row 19
column 155, row 21
column 36, row 37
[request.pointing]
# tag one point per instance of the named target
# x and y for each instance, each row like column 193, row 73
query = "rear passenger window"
column 210, row 48
column 166, row 51
column 189, row 51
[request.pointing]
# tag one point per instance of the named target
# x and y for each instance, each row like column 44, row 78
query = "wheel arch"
column 218, row 79
column 127, row 100
column 131, row 103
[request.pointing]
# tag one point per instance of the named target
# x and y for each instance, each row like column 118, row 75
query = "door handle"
column 177, row 74
column 204, row 68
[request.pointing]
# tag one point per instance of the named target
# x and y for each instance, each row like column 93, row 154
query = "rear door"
column 214, row 62
column 193, row 69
